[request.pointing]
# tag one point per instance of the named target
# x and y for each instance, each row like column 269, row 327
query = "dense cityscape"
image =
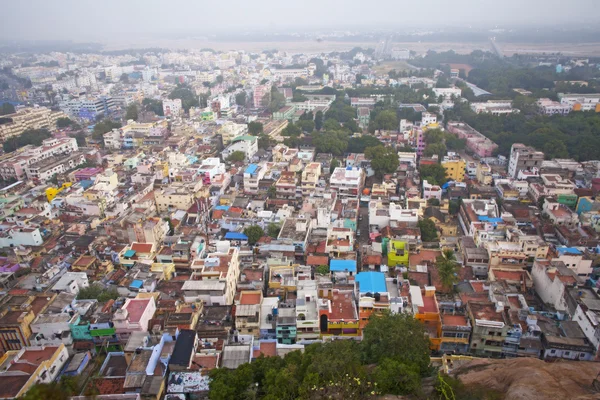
column 350, row 224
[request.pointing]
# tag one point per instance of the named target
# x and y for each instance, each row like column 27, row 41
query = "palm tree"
column 447, row 268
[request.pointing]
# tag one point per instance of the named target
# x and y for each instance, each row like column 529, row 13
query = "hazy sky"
column 81, row 20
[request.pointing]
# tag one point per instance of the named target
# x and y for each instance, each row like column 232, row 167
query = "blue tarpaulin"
column 373, row 282
column 235, row 236
column 343, row 265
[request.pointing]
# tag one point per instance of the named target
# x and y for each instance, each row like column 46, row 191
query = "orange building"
column 429, row 314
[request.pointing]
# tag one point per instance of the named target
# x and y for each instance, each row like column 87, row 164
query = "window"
column 552, row 351
column 567, row 353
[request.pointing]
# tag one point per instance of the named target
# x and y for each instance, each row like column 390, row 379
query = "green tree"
column 393, row 377
column 272, row 192
column 124, row 78
column 434, row 174
column 241, row 98
column 255, row 128
column 335, row 143
column 331, row 125
column 384, row 160
column 97, row 292
column 254, row 233
column 132, row 112
column 322, row 270
column 428, row 230
column 277, row 99
column 46, row 391
column 386, row 120
column 264, row 142
column 447, row 269
column 319, row 120
column 352, row 126
column 438, row 149
column 155, row 106
column 236, row 156
column 359, row 144
column 291, row 130
column 399, row 337
column 306, row 125
column 273, row 230
column 30, row 136
column 453, row 207
column 63, row 122
column 7, row 108
column 100, row 128
column 334, row 164
column 188, row 98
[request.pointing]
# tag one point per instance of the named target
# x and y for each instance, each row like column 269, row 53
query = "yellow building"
column 429, row 314
column 52, row 192
column 167, row 269
column 484, row 174
column 455, row 169
column 15, row 329
column 21, row 369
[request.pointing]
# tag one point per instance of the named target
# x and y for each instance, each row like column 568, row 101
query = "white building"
column 172, row 108
column 431, row 191
column 447, row 93
column 551, row 107
column 580, row 102
column 347, row 181
column 246, row 144
column 71, row 282
column 494, row 107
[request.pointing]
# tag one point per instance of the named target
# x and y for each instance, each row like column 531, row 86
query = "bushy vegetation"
column 392, row 359
column 30, row 136
column 97, row 292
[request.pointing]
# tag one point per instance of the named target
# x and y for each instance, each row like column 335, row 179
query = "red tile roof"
column 135, row 308
column 142, row 247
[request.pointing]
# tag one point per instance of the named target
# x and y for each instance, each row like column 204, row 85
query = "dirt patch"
column 532, row 379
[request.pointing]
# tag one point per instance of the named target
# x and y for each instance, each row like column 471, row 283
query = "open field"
column 314, row 47
column 390, row 65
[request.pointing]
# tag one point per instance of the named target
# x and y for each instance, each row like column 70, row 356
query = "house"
column 246, row 144
column 397, row 253
column 21, row 369
column 551, row 280
column 184, row 350
column 134, row 316
column 442, row 221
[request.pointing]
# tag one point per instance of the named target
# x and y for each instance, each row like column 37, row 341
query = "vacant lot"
column 390, row 65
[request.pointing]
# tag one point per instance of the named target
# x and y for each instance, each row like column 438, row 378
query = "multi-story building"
column 15, row 328
column 230, row 130
column 338, row 314
column 523, row 158
column 29, row 118
column 347, row 181
column 262, row 96
column 447, row 93
column 455, row 167
column 247, row 144
column 581, row 102
column 171, row 198
column 490, row 328
column 172, row 108
column 310, row 178
column 134, row 316
column 476, row 142
column 22, row 369
column 43, row 170
column 89, row 108
column 15, row 167
column 494, row 107
column 252, row 176
column 307, row 317
column 551, row 107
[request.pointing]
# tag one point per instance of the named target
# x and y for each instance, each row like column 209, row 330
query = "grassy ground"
column 387, row 66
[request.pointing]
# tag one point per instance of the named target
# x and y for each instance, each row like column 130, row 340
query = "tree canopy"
column 30, row 136
column 384, row 160
column 428, row 230
column 255, row 128
column 106, row 125
column 97, row 292
column 236, row 156
column 254, row 233
column 447, row 269
column 7, row 108
column 391, row 359
column 241, row 98
column 132, row 112
column 435, row 174
column 188, row 98
column 156, row 106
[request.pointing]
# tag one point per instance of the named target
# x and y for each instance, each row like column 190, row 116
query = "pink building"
column 85, row 174
column 259, row 96
column 476, row 142
column 133, row 316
